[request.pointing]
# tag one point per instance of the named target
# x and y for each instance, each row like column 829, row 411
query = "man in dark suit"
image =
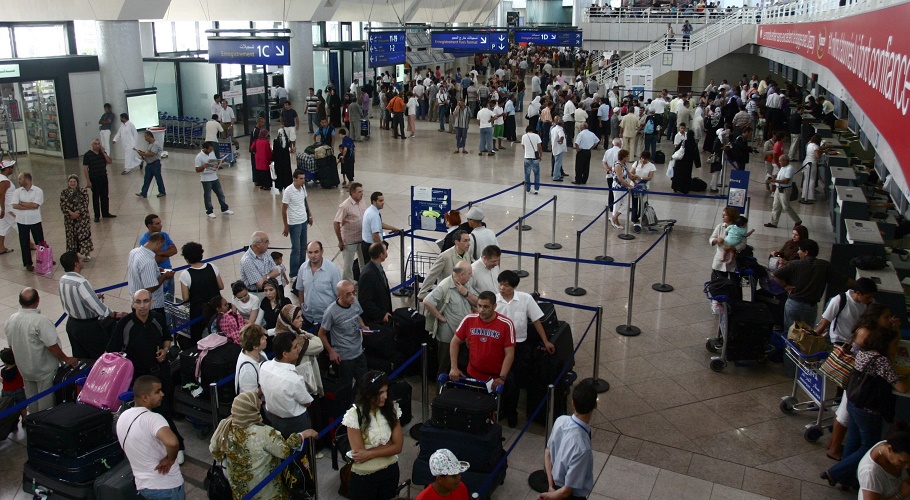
column 373, row 288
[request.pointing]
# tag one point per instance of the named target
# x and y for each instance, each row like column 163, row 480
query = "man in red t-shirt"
column 491, row 345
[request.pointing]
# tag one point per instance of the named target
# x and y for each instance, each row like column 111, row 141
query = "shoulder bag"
column 871, row 393
column 839, row 365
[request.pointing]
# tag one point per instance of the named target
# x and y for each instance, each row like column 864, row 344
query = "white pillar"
column 299, row 78
column 120, row 61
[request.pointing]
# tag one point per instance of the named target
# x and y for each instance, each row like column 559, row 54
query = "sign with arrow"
column 471, row 41
column 387, row 48
column 250, row 50
column 549, row 38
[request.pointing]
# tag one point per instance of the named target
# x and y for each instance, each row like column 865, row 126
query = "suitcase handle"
column 469, row 382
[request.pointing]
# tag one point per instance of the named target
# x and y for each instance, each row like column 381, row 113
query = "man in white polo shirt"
column 207, row 167
column 295, row 211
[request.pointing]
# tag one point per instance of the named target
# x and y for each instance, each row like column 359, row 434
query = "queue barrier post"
column 312, row 453
column 538, row 479
column 520, row 226
column 213, row 394
column 663, row 286
column 626, row 235
column 537, row 273
column 553, row 245
column 524, row 208
column 627, row 330
column 403, row 291
column 576, row 291
column 600, row 384
column 414, row 274
column 605, row 257
column 425, row 394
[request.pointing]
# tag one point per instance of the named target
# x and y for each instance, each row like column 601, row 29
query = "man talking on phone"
column 207, row 166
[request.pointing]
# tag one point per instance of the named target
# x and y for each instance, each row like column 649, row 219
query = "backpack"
column 648, row 215
column 843, row 304
column 649, row 126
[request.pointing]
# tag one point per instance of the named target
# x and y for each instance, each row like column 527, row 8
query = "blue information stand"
column 428, row 208
column 739, row 190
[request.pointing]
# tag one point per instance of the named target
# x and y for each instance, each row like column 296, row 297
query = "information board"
column 387, row 48
column 550, row 38
column 429, row 206
column 470, row 41
column 262, row 51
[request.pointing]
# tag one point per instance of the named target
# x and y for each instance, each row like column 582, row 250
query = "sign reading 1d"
column 251, row 50
column 387, row 48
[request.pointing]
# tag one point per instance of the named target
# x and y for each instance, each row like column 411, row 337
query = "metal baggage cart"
column 814, row 384
column 721, row 306
column 177, row 314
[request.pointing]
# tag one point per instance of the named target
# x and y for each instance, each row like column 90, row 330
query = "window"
column 333, row 33
column 164, row 37
column 40, row 41
column 317, row 34
column 86, row 38
column 6, row 48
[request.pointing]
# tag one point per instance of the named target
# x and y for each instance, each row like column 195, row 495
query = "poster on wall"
column 869, row 54
column 640, row 79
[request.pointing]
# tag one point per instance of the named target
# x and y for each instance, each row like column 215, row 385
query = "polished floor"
column 669, row 427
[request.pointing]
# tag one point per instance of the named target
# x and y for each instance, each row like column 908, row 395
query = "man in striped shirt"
column 84, row 309
column 348, row 226
column 143, row 271
column 257, row 265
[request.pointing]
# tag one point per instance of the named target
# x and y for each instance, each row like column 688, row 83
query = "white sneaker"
column 212, row 215
column 228, row 212
column 180, row 457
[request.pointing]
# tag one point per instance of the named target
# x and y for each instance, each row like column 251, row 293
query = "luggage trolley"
column 814, row 384
column 176, row 314
column 743, row 339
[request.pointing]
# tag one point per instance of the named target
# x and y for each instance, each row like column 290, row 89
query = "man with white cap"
column 447, row 470
column 481, row 235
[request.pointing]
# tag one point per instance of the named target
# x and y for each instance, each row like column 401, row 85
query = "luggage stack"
column 379, row 347
column 749, row 330
column 411, row 331
column 463, row 420
column 326, row 167
column 365, row 129
column 69, row 447
column 64, row 372
column 194, row 401
column 543, row 368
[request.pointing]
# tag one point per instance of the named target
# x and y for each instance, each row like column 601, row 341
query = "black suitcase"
column 188, row 358
column 697, row 185
column 749, row 329
column 381, row 343
column 337, row 399
column 10, row 423
column 480, row 450
column 401, row 392
column 464, row 410
column 379, row 363
column 65, row 372
column 218, row 364
column 82, row 469
column 200, row 408
column 549, row 320
column 35, row 482
column 70, row 429
column 117, row 483
column 327, row 172
column 411, row 331
column 420, row 474
column 659, row 158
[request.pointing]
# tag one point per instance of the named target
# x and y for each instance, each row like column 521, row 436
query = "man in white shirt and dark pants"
column 558, row 147
column 284, row 390
column 27, row 201
column 296, row 214
column 207, row 167
column 584, row 143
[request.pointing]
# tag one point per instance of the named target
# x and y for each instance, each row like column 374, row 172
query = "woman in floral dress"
column 76, row 220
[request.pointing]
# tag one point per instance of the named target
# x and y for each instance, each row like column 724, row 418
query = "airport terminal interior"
column 671, row 424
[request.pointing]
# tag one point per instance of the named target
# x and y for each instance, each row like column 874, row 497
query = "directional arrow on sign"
column 483, row 39
column 501, row 46
column 501, row 38
column 279, row 50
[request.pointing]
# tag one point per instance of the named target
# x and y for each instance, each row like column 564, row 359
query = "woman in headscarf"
column 698, row 122
column 534, row 112
column 290, row 319
column 260, row 125
column 710, row 124
column 281, row 156
column 334, row 108
column 76, row 220
column 789, row 251
column 320, row 106
column 251, row 450
column 263, row 151
column 682, row 169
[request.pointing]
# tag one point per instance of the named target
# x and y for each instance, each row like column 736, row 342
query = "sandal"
column 826, row 477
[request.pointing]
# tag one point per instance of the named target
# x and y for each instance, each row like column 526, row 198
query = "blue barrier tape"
column 513, row 252
column 642, row 256
column 424, row 238
column 294, row 456
column 225, row 380
column 532, row 212
column 59, row 320
column 584, row 261
column 502, row 461
column 36, row 397
column 656, row 193
column 181, row 268
column 510, row 226
column 602, row 212
column 568, row 304
column 506, row 190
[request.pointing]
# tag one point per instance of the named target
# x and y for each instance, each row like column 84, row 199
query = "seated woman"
column 376, row 439
column 251, row 450
column 790, row 249
column 273, row 302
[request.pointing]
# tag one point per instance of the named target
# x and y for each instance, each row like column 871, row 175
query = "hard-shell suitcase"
column 111, row 375
column 70, row 429
column 117, row 483
column 400, row 391
column 464, row 409
column 65, row 372
column 473, row 480
column 327, row 172
column 82, row 469
column 37, row 483
column 9, row 423
column 365, row 128
column 481, row 450
column 380, row 343
column 218, row 364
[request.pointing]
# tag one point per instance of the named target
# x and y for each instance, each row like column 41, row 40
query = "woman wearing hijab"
column 320, row 106
column 334, row 108
column 260, row 125
column 263, row 151
column 682, row 169
column 251, row 450
column 534, row 112
column 698, row 122
column 290, row 319
column 281, row 156
column 76, row 220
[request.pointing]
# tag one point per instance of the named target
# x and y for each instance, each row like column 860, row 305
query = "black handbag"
column 298, row 479
column 871, row 393
column 869, row 262
column 216, row 483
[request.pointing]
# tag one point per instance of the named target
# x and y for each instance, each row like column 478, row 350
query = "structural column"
column 299, row 78
column 120, row 60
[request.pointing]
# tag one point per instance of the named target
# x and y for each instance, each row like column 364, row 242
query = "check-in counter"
column 862, row 232
column 890, row 290
column 851, row 204
column 823, row 130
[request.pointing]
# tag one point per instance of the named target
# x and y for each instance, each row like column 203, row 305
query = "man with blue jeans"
column 295, row 211
column 533, row 151
column 558, row 147
column 152, row 157
column 207, row 166
column 805, row 280
column 485, row 118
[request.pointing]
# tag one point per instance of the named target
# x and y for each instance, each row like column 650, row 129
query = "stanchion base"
column 576, row 292
column 628, row 331
column 538, row 481
column 552, row 246
column 600, row 384
column 604, row 258
column 524, row 227
column 403, row 292
column 662, row 287
column 624, row 236
column 522, row 273
column 415, row 431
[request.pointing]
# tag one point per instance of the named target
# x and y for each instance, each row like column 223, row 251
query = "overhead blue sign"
column 470, row 41
column 264, row 51
column 387, row 48
column 551, row 38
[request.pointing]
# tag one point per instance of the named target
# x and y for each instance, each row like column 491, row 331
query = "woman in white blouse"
column 376, row 439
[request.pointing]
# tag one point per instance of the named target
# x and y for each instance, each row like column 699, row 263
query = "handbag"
column 871, row 393
column 216, row 483
column 670, row 168
column 839, row 365
column 44, row 259
column 869, row 262
column 805, row 338
column 272, row 173
column 679, row 153
column 794, row 192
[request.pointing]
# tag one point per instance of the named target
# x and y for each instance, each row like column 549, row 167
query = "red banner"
column 868, row 53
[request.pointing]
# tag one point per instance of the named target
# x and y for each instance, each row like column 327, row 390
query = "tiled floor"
column 668, row 428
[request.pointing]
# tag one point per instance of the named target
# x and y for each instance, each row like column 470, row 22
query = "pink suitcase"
column 111, row 375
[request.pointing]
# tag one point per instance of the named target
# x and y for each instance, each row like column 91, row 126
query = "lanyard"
column 576, row 422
